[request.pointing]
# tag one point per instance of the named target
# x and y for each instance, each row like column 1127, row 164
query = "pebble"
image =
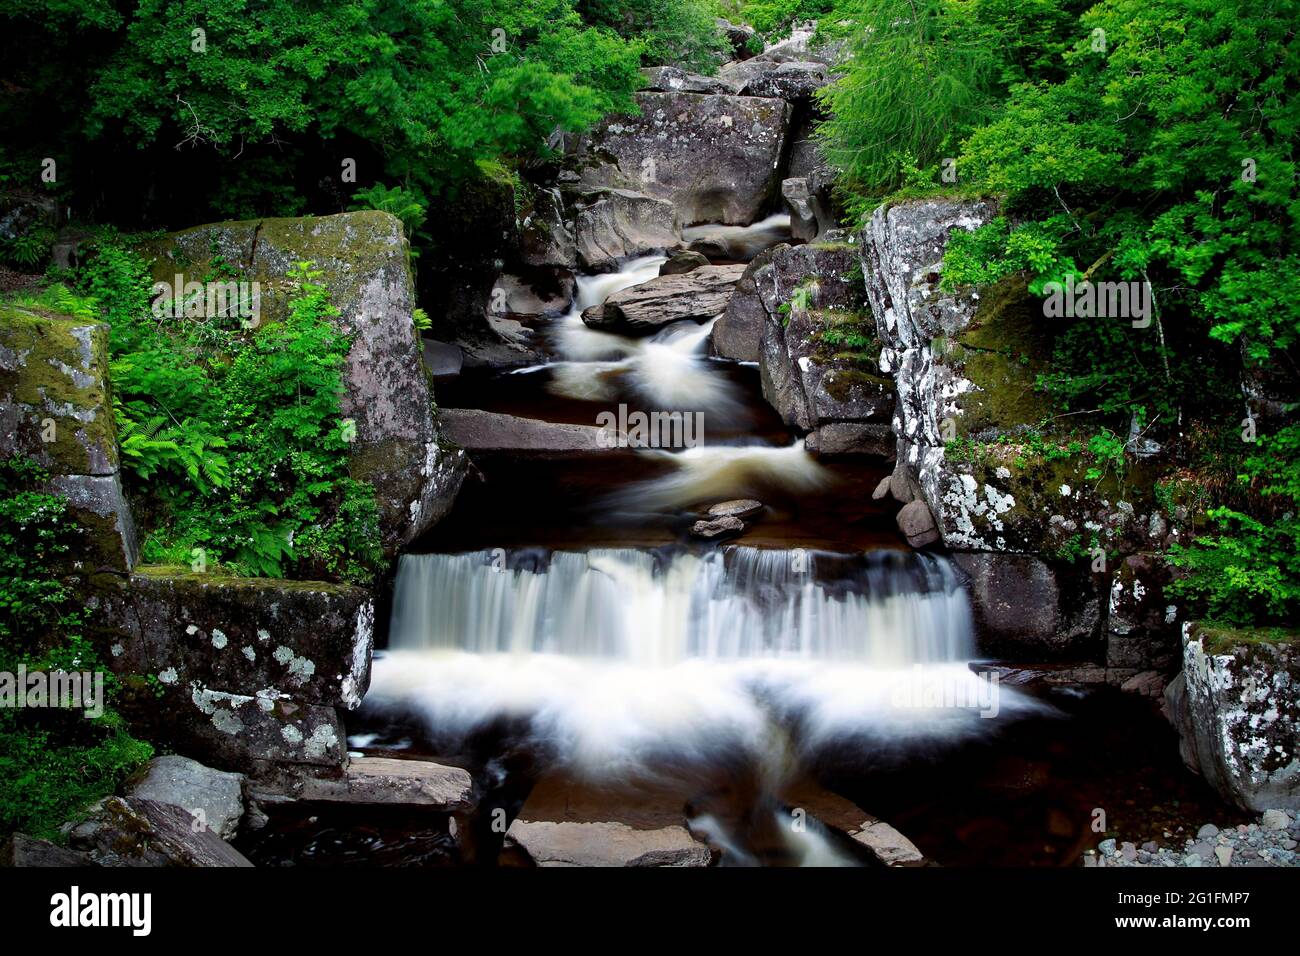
column 1271, row 842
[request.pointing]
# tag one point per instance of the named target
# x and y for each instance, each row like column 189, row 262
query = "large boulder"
column 213, row 798
column 364, row 259
column 1236, row 706
column 792, row 81
column 615, row 224
column 641, row 309
column 247, row 669
column 545, row 234
column 481, row 432
column 716, row 158
column 384, row 781
column 130, row 831
column 673, row 79
column 55, row 408
column 817, row 353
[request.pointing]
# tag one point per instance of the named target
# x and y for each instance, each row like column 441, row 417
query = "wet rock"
column 680, row 263
column 738, row 334
column 1143, row 624
column 917, row 524
column 726, row 526
column 491, row 432
column 212, row 798
column 1237, row 711
column 538, row 292
column 739, row 508
column 1023, row 606
column 442, row 360
column 568, row 843
column 642, row 309
column 380, row 781
column 615, row 224
column 364, row 260
column 22, row 850
column 129, row 831
column 714, row 157
column 888, row 845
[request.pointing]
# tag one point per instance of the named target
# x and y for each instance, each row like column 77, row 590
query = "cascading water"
column 623, row 664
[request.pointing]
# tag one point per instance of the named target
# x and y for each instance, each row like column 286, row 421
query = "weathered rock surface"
column 129, row 831
column 55, row 408
column 792, row 80
column 614, row 224
column 817, row 350
column 540, row 291
column 717, row 528
column 1143, row 624
column 798, row 200
column 714, row 157
column 642, row 309
column 248, row 669
column 212, row 798
column 545, row 235
column 680, row 263
column 1027, row 609
column 493, row 432
column 363, row 256
column 917, row 524
column 673, row 79
column 739, row 508
column 21, row 850
column 739, row 35
column 568, row 843
column 382, row 781
column 1236, row 706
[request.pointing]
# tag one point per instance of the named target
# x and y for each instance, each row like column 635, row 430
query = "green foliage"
column 52, row 761
column 396, row 201
column 236, row 434
column 681, row 32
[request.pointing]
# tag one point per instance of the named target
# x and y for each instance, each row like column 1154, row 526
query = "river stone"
column 493, row 432
column 739, row 508
column 888, row 845
column 615, row 224
column 213, row 798
column 54, row 385
column 1236, row 706
column 130, row 831
column 21, row 850
column 680, row 263
column 382, row 781
column 714, row 157
column 567, row 843
column 726, row 526
column 364, row 258
column 642, row 309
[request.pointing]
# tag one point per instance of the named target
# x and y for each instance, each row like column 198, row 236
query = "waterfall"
column 626, row 664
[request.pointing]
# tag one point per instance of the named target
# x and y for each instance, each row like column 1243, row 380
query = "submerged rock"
column 382, row 781
column 714, row 157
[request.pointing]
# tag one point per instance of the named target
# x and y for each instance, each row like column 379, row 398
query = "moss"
column 61, row 375
column 840, row 382
column 1223, row 640
column 181, row 576
column 1001, row 352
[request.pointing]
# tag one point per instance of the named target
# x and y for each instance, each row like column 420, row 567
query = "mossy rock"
column 54, row 385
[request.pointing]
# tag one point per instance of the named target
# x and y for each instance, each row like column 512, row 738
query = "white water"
column 618, row 665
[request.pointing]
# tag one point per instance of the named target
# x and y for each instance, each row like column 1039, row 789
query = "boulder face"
column 793, row 81
column 55, row 408
column 213, row 798
column 130, row 831
column 642, row 309
column 364, row 259
column 817, row 348
column 1236, row 706
column 715, row 157
column 249, row 669
column 545, row 235
column 614, row 224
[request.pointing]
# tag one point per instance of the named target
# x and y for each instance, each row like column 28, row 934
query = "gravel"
column 1271, row 842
